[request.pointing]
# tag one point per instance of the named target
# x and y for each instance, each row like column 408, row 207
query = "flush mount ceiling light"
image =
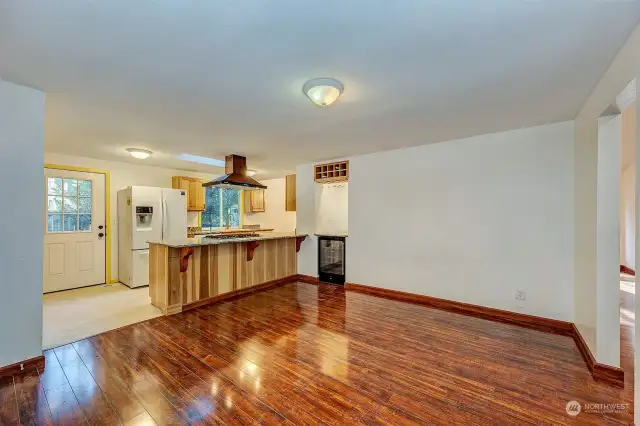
column 251, row 172
column 323, row 91
column 140, row 154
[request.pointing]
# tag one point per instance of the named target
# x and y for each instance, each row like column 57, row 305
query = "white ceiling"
column 217, row 77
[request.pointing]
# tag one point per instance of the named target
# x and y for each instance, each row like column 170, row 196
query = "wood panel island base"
column 196, row 271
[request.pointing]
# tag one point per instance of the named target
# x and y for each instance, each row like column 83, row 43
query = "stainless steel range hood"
column 235, row 176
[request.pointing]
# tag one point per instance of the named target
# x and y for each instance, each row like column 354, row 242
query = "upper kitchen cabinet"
column 254, row 201
column 331, row 172
column 194, row 190
column 290, row 193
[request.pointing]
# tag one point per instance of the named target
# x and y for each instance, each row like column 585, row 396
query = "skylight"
column 201, row 160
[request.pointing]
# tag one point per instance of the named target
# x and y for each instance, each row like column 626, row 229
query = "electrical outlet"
column 521, row 295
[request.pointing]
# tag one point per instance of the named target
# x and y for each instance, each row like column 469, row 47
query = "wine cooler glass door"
column 331, row 260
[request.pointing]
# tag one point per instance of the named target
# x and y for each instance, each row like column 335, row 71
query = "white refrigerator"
column 146, row 213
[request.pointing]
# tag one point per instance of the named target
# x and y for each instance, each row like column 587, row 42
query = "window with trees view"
column 222, row 205
column 68, row 205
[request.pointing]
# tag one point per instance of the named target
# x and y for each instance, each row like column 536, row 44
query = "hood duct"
column 235, row 176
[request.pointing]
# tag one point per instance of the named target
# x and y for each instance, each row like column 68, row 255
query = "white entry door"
column 75, row 234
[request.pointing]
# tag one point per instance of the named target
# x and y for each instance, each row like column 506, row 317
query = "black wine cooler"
column 331, row 259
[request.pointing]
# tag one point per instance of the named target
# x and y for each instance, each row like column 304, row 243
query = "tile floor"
column 73, row 315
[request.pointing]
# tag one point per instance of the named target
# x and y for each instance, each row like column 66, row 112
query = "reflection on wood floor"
column 306, row 354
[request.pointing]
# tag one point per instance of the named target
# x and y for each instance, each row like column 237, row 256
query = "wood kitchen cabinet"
column 254, row 201
column 290, row 193
column 194, row 190
column 331, row 172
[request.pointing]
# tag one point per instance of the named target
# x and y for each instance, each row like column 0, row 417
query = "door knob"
column 100, row 235
column 100, row 227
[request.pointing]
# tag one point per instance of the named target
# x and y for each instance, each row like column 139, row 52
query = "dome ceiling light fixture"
column 140, row 154
column 323, row 91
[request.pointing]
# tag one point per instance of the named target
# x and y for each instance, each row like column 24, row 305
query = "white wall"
column 628, row 217
column 306, row 215
column 585, row 169
column 608, row 241
column 21, row 224
column 275, row 216
column 471, row 220
column 320, row 208
column 625, row 68
column 123, row 175
column 332, row 208
column 628, row 189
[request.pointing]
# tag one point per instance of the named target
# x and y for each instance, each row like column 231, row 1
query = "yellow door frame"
column 107, row 206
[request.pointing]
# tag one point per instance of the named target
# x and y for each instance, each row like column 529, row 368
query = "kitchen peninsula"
column 190, row 272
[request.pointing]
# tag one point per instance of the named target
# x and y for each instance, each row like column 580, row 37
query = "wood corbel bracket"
column 251, row 246
column 299, row 241
column 185, row 253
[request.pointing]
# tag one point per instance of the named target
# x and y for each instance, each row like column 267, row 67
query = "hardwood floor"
column 313, row 354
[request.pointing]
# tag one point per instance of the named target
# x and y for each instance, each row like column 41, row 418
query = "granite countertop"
column 205, row 241
column 326, row 234
column 233, row 231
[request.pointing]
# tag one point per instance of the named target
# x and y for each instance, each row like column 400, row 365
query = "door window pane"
column 85, row 222
column 54, row 223
column 54, row 204
column 54, row 186
column 70, row 187
column 70, row 223
column 84, row 205
column 84, row 188
column 70, row 205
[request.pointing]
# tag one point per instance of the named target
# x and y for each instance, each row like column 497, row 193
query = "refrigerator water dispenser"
column 144, row 214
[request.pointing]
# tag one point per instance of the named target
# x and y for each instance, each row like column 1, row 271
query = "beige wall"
column 275, row 215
